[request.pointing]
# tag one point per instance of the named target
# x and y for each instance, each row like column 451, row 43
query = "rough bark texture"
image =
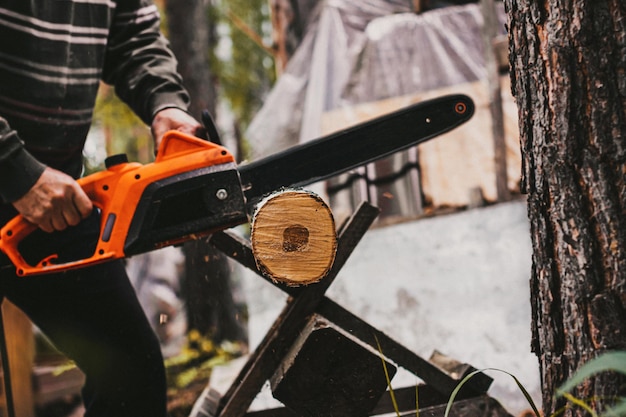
column 568, row 71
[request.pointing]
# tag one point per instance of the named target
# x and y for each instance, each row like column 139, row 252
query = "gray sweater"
column 53, row 55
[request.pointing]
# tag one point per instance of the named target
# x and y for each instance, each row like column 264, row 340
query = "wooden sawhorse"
column 303, row 303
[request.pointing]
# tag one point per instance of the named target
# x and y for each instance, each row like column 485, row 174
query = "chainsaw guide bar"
column 194, row 188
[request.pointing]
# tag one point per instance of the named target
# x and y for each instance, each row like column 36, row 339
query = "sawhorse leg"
column 302, row 304
column 268, row 356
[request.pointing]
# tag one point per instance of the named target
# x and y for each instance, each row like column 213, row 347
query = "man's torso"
column 51, row 57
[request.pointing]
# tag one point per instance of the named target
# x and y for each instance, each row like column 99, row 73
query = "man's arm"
column 46, row 197
column 172, row 118
column 55, row 202
column 141, row 66
column 19, row 170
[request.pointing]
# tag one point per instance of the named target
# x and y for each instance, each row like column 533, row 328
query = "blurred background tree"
column 242, row 59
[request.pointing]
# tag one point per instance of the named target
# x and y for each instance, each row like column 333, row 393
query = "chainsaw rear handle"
column 116, row 192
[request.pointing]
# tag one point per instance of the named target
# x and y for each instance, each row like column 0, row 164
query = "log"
column 293, row 237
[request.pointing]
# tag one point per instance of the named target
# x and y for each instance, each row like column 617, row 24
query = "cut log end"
column 293, row 237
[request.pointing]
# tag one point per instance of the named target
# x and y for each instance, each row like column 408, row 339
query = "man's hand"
column 173, row 119
column 55, row 202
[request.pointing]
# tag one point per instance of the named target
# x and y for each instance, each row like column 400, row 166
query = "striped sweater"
column 53, row 54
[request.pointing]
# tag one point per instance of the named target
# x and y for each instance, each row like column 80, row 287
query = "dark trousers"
column 93, row 316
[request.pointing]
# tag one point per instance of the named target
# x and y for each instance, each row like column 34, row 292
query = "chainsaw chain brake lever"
column 209, row 130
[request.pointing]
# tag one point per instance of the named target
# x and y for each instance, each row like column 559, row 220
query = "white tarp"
column 316, row 74
column 357, row 51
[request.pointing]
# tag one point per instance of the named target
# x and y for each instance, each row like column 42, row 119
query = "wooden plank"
column 405, row 399
column 431, row 403
column 329, row 372
column 422, row 368
column 273, row 412
column 483, row 406
column 51, row 387
column 20, row 345
column 490, row 29
column 457, row 162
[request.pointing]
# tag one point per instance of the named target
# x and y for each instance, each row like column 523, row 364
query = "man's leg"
column 93, row 316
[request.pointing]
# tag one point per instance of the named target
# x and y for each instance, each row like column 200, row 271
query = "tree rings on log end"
column 293, row 237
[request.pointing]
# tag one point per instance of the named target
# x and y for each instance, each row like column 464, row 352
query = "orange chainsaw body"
column 120, row 192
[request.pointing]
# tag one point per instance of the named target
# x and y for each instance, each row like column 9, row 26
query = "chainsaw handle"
column 97, row 187
column 10, row 235
column 116, row 192
column 16, row 230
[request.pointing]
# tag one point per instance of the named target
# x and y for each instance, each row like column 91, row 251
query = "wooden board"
column 328, row 372
column 21, row 352
column 456, row 163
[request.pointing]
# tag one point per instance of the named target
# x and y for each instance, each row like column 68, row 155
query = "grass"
column 608, row 362
column 471, row 375
column 189, row 372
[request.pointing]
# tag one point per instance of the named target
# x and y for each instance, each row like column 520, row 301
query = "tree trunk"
column 568, row 65
column 289, row 25
column 207, row 285
column 212, row 308
column 190, row 33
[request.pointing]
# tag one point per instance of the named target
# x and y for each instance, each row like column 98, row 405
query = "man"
column 53, row 54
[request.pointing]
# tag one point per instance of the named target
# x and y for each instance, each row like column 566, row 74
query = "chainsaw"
column 194, row 188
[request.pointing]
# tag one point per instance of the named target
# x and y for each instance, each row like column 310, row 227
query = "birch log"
column 293, row 237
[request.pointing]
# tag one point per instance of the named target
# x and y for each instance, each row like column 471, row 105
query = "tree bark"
column 212, row 308
column 568, row 71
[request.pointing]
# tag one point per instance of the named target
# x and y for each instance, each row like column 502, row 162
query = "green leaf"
column 611, row 361
column 618, row 411
column 391, row 393
column 471, row 375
